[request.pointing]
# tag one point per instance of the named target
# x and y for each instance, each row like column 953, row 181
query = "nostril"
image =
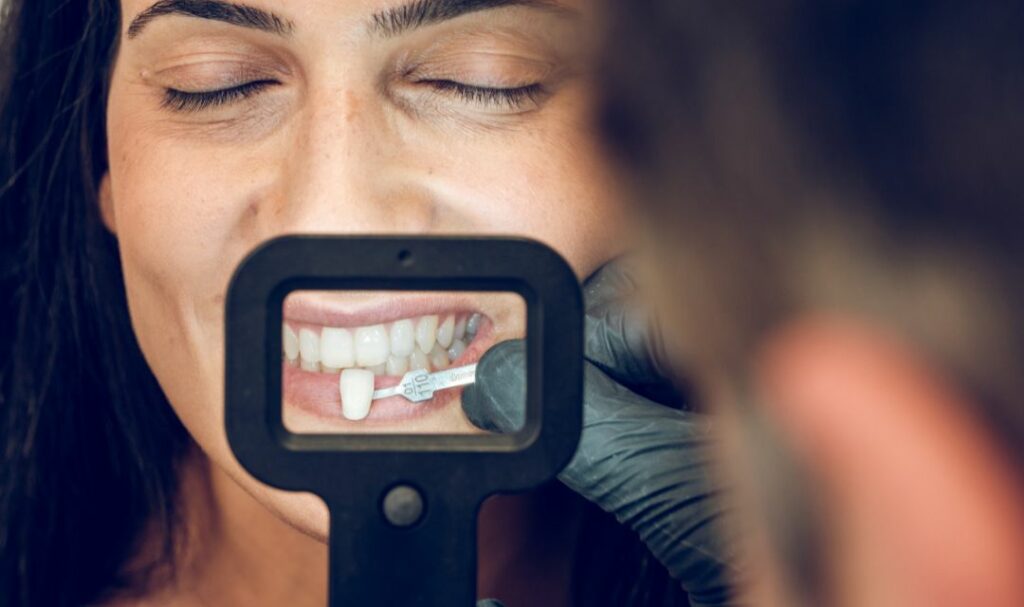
column 405, row 258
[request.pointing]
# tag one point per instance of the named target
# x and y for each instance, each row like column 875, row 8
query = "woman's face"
column 228, row 126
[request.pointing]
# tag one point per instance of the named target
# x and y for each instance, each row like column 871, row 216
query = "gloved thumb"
column 646, row 464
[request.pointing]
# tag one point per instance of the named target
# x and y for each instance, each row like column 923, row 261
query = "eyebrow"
column 389, row 22
column 419, row 13
column 216, row 10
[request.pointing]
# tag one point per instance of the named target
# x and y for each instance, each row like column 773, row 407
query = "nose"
column 348, row 170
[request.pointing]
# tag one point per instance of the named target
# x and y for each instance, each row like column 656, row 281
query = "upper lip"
column 342, row 310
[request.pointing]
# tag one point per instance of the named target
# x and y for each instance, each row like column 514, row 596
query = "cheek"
column 548, row 183
column 177, row 214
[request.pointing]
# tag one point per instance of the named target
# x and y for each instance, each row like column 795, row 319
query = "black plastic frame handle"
column 432, row 559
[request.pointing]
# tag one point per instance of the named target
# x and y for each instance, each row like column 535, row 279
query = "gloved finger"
column 645, row 464
column 496, row 402
column 621, row 337
column 651, row 467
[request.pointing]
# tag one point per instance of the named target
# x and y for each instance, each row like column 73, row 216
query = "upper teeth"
column 429, row 342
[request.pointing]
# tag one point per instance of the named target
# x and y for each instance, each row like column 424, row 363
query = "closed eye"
column 188, row 101
column 514, row 98
column 510, row 99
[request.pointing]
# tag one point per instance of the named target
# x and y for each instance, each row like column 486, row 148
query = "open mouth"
column 334, row 360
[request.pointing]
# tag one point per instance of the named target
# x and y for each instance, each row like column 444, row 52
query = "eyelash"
column 514, row 98
column 184, row 101
column 503, row 98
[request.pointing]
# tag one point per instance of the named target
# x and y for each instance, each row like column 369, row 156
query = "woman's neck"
column 236, row 552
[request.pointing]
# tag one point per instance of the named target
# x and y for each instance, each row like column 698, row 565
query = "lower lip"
column 318, row 393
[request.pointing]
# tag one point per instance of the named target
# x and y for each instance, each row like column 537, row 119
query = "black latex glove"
column 647, row 464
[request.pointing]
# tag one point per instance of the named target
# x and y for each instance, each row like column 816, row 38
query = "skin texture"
column 349, row 140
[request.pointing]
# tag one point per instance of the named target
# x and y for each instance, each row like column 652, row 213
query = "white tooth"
column 460, row 328
column 397, row 365
column 418, row 361
column 473, row 325
column 380, row 369
column 309, row 346
column 332, row 370
column 446, row 332
column 308, row 366
column 371, row 345
column 426, row 333
column 403, row 337
column 336, row 348
column 356, row 388
column 438, row 358
column 291, row 344
column 458, row 347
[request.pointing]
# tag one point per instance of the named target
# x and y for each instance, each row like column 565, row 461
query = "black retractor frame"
column 430, row 557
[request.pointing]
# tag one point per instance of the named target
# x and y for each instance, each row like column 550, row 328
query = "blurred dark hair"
column 833, row 154
column 90, row 443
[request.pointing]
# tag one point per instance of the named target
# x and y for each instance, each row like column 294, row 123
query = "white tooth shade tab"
column 403, row 337
column 309, row 346
column 356, row 388
column 371, row 345
column 426, row 333
column 446, row 332
column 337, row 350
column 291, row 343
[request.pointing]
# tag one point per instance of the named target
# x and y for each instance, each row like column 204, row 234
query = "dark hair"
column 814, row 154
column 90, row 442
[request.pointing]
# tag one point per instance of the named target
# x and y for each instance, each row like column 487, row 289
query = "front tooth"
column 371, row 345
column 458, row 347
column 438, row 358
column 356, row 388
column 418, row 361
column 309, row 346
column 446, row 332
column 397, row 365
column 336, row 348
column 403, row 337
column 460, row 328
column 426, row 332
column 291, row 344
column 473, row 325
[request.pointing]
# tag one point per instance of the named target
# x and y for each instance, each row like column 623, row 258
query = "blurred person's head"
column 837, row 195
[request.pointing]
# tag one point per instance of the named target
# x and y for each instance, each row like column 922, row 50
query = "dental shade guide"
column 420, row 385
column 403, row 507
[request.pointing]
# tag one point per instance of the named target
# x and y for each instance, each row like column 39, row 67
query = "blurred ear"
column 107, row 204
